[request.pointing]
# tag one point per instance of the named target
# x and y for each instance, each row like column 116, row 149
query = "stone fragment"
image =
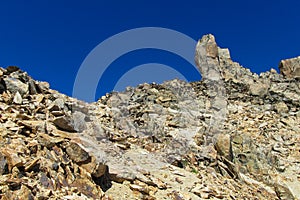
column 95, row 168
column 79, row 121
column 224, row 53
column 64, row 123
column 73, row 123
column 57, row 105
column 24, row 193
column 15, row 85
column 32, row 87
column 30, row 165
column 258, row 89
column 208, row 152
column 2, row 71
column 273, row 71
column 48, row 141
column 223, row 145
column 11, row 69
column 141, row 188
column 121, row 176
column 17, row 98
column 159, row 183
column 2, row 86
column 13, row 159
column 45, row 181
column 3, row 165
column 290, row 68
column 281, row 107
column 34, row 126
column 43, row 86
column 88, row 188
column 77, row 153
column 283, row 192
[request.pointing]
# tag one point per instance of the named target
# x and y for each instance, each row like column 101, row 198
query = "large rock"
column 258, row 89
column 13, row 159
column 73, row 123
column 77, row 153
column 64, row 123
column 223, row 145
column 290, row 67
column 14, row 85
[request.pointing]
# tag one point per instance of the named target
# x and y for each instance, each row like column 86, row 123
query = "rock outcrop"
column 290, row 67
column 232, row 135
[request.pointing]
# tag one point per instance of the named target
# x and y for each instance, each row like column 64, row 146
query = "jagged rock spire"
column 208, row 63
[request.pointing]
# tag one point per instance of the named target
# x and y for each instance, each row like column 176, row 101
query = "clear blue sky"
column 50, row 39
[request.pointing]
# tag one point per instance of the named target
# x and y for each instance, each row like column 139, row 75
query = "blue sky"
column 51, row 39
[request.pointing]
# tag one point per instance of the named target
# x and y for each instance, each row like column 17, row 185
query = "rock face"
column 209, row 61
column 290, row 67
column 232, row 135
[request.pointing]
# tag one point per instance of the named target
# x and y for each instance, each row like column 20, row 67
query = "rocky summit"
column 232, row 135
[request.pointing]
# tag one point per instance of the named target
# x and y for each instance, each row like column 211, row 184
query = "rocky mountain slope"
column 232, row 135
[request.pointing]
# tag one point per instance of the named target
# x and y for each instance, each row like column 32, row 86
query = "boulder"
column 77, row 153
column 258, row 89
column 290, row 68
column 64, row 123
column 14, row 85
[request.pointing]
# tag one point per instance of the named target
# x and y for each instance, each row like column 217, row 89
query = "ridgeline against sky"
column 51, row 40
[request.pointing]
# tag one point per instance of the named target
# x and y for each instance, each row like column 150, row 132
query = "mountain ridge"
column 234, row 134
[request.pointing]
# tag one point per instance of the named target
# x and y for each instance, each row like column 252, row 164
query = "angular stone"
column 57, row 105
column 15, row 85
column 2, row 71
column 209, row 152
column 95, row 168
column 141, row 188
column 43, row 86
column 223, row 145
column 3, row 165
column 258, row 89
column 46, row 181
column 48, row 141
column 17, row 98
column 79, row 121
column 32, row 87
column 34, row 125
column 13, row 159
column 73, row 123
column 76, row 153
column 24, row 193
column 224, row 53
column 64, row 123
column 120, row 176
column 281, row 107
column 283, row 192
column 11, row 69
column 88, row 188
column 2, row 86
column 30, row 165
column 290, row 67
